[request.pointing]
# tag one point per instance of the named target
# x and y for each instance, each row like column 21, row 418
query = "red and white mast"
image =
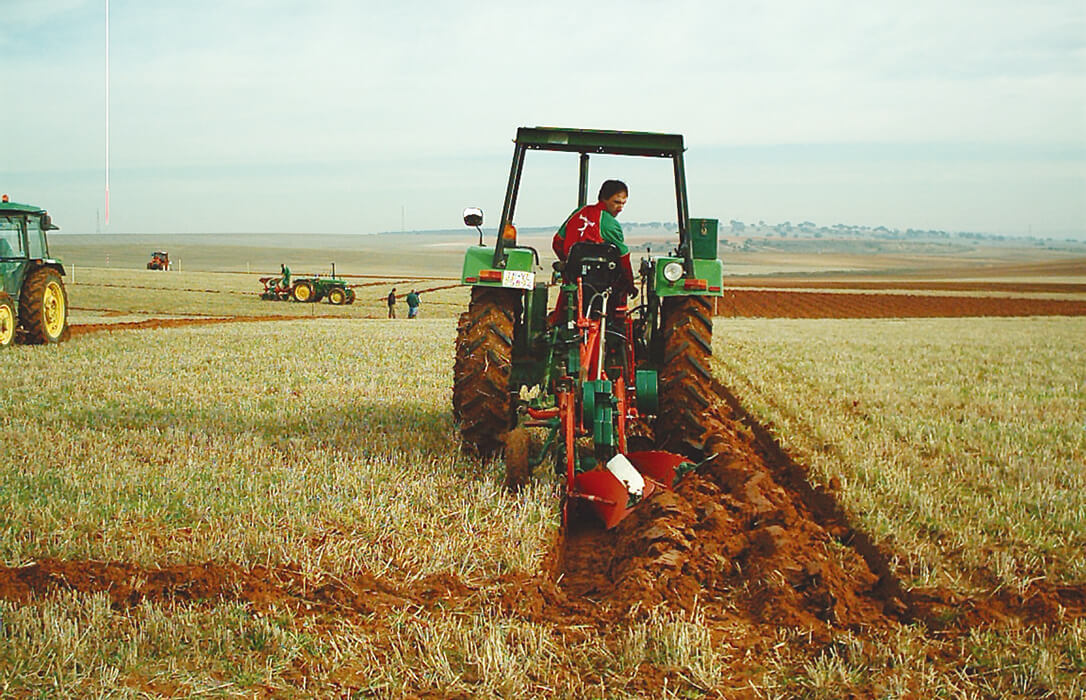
column 107, row 112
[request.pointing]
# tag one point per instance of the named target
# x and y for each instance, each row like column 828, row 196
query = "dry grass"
column 78, row 646
column 907, row 663
column 250, row 444
column 103, row 295
column 959, row 443
column 328, row 446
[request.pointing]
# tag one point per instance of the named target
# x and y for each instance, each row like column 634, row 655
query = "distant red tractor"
column 160, row 260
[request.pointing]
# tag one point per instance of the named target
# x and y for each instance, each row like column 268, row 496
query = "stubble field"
column 279, row 508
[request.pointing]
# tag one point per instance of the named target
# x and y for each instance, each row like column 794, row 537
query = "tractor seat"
column 596, row 265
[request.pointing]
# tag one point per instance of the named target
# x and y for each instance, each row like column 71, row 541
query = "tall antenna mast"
column 107, row 112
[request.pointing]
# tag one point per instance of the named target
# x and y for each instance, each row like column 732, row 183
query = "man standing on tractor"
column 413, row 304
column 392, row 303
column 596, row 223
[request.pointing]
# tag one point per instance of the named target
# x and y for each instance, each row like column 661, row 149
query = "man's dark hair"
column 610, row 188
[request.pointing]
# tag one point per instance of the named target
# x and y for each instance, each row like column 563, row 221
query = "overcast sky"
column 357, row 116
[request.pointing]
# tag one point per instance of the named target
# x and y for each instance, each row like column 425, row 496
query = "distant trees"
column 755, row 235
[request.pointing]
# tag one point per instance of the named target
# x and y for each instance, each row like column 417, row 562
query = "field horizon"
column 442, row 254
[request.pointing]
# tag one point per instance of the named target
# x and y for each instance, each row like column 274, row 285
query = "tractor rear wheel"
column 484, row 362
column 303, row 291
column 350, row 296
column 686, row 328
column 43, row 307
column 337, row 296
column 7, row 320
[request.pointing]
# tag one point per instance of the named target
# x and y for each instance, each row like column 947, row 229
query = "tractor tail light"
column 695, row 284
column 490, row 275
column 470, row 280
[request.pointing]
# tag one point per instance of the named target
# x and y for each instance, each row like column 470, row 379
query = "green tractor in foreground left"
column 33, row 300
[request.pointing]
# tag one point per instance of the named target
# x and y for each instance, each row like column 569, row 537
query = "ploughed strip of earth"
column 772, row 303
column 775, row 303
column 743, row 540
column 747, row 537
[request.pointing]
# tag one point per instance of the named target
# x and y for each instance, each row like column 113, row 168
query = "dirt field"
column 746, row 581
column 745, row 547
column 763, row 303
column 741, row 303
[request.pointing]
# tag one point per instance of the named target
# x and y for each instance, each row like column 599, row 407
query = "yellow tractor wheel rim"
column 7, row 325
column 302, row 292
column 53, row 309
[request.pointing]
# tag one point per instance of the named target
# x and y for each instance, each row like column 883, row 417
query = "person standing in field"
column 392, row 303
column 413, row 304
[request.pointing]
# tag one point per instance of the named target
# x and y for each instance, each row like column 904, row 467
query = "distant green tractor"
column 307, row 289
column 33, row 300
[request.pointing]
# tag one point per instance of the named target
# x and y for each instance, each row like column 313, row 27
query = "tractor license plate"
column 518, row 279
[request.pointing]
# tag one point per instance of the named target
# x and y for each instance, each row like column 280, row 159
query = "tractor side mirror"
column 47, row 223
column 473, row 216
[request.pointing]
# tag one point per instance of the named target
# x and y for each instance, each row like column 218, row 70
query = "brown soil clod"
column 128, row 585
column 738, row 534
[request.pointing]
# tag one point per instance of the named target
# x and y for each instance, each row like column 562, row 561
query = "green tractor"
column 33, row 300
column 616, row 388
column 307, row 289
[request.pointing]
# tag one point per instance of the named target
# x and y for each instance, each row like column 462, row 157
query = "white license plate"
column 518, row 279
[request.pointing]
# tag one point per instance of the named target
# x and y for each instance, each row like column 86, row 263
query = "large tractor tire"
column 484, row 362
column 337, row 296
column 43, row 307
column 686, row 329
column 350, row 296
column 7, row 320
column 303, row 291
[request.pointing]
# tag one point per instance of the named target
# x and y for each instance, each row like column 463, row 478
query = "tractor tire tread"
column 685, row 375
column 7, row 336
column 31, row 313
column 482, row 404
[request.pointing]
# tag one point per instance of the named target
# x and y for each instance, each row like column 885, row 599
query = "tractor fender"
column 37, row 263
